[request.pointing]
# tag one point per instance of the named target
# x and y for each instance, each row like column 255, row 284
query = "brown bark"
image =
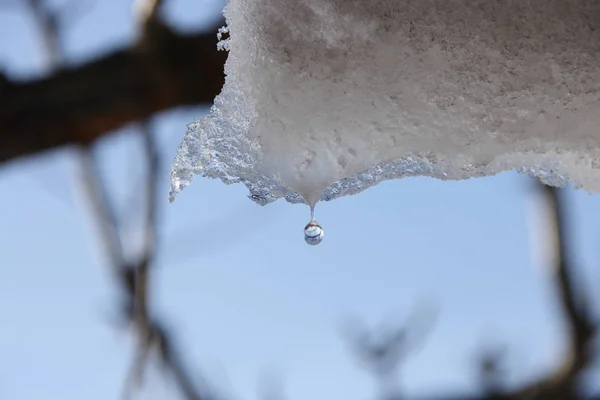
column 82, row 104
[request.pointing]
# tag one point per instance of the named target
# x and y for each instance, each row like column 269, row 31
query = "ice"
column 325, row 98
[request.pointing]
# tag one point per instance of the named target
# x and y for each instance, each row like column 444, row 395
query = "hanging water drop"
column 313, row 233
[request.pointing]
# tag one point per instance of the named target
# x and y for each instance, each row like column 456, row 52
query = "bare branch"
column 573, row 301
column 384, row 351
column 83, row 104
column 187, row 384
column 99, row 207
column 47, row 21
column 147, row 10
column 491, row 370
column 132, row 275
column 152, row 191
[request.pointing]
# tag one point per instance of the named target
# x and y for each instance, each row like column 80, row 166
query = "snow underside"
column 325, row 98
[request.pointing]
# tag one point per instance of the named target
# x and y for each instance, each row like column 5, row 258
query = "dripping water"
column 313, row 233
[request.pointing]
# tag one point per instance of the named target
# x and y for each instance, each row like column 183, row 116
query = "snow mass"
column 326, row 98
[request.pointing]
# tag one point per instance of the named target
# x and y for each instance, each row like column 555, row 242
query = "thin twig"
column 573, row 299
column 152, row 335
column 384, row 352
column 146, row 10
column 47, row 21
column 98, row 200
column 133, row 276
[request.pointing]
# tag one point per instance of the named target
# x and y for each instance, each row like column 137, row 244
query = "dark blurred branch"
column 574, row 300
column 382, row 352
column 574, row 303
column 147, row 10
column 152, row 334
column 47, row 22
column 81, row 104
column 132, row 274
column 98, row 201
column 491, row 371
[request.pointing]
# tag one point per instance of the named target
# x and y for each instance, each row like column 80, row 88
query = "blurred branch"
column 573, row 300
column 383, row 352
column 563, row 383
column 99, row 203
column 492, row 371
column 47, row 22
column 147, row 10
column 78, row 105
column 133, row 275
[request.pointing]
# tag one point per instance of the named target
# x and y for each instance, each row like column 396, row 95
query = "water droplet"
column 313, row 233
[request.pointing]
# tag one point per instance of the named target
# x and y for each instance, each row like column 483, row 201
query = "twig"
column 83, row 103
column 89, row 175
column 491, row 370
column 151, row 334
column 383, row 352
column 146, row 10
column 104, row 216
column 47, row 21
column 574, row 303
column 132, row 275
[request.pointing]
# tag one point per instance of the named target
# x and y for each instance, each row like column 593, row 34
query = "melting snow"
column 325, row 98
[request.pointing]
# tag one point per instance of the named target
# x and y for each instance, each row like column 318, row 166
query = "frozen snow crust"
column 325, row 98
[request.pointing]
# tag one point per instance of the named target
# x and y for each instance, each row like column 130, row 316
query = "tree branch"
column 147, row 10
column 48, row 24
column 132, row 274
column 573, row 301
column 82, row 104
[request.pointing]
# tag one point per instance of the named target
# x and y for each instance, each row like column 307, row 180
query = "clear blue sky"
column 254, row 298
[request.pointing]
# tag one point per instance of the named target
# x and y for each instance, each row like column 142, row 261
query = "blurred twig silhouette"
column 385, row 356
column 132, row 273
column 164, row 69
column 574, row 302
column 492, row 371
column 80, row 104
column 382, row 352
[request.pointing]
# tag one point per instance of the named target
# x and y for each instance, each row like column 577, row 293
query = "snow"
column 325, row 98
